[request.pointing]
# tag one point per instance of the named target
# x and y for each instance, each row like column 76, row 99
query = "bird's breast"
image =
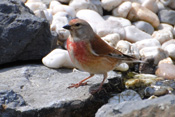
column 79, row 51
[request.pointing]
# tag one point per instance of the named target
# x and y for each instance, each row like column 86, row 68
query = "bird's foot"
column 77, row 84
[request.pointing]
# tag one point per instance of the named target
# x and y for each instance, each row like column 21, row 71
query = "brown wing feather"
column 103, row 49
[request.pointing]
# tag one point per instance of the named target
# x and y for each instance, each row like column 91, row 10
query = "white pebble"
column 133, row 34
column 124, row 22
column 92, row 17
column 172, row 41
column 162, row 35
column 54, row 4
column 151, row 5
column 112, row 39
column 36, row 6
column 122, row 10
column 163, row 26
column 87, row 4
column 109, row 27
column 64, row 8
column 155, row 53
column 110, row 4
column 122, row 67
column 57, row 24
column 127, row 48
column 171, row 50
column 48, row 15
column 147, row 43
column 58, row 58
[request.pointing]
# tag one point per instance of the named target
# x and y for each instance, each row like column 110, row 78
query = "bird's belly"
column 87, row 61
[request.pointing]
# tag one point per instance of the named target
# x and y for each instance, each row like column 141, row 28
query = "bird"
column 88, row 52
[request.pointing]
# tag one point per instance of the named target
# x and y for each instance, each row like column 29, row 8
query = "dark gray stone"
column 167, row 16
column 10, row 99
column 23, row 36
column 144, row 26
column 163, row 106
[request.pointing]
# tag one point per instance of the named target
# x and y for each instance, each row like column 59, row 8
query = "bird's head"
column 79, row 29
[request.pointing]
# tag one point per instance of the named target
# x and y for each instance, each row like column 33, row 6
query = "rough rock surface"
column 163, row 106
column 23, row 36
column 44, row 92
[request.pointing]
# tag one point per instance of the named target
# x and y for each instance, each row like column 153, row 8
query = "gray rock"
column 45, row 91
column 149, row 108
column 144, row 26
column 127, row 95
column 10, row 99
column 167, row 16
column 23, row 36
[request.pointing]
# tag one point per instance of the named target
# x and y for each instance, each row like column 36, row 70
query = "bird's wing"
column 101, row 48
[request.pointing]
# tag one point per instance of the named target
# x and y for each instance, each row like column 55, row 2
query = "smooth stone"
column 53, row 4
column 144, row 26
column 166, row 83
column 155, row 53
column 171, row 50
column 167, row 16
column 166, row 70
column 36, row 6
column 122, row 10
column 172, row 41
column 165, row 26
column 112, row 39
column 57, row 24
column 133, row 34
column 88, row 17
column 124, row 22
column 127, row 95
column 110, row 4
column 172, row 4
column 64, row 8
column 94, row 5
column 165, row 2
column 151, row 5
column 122, row 67
column 162, row 35
column 139, row 12
column 109, row 27
column 46, row 14
column 127, row 48
column 156, row 91
column 58, row 58
column 160, row 6
column 166, row 60
column 147, row 43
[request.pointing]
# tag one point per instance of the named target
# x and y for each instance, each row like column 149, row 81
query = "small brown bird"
column 90, row 53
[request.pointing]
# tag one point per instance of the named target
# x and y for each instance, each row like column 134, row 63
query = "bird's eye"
column 77, row 24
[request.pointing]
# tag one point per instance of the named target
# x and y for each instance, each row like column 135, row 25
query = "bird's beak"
column 67, row 27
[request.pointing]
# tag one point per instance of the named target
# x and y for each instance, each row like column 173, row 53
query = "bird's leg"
column 100, row 87
column 81, row 83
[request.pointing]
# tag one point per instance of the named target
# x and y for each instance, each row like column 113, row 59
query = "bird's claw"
column 77, row 85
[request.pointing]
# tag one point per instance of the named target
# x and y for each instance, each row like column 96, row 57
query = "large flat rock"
column 45, row 91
